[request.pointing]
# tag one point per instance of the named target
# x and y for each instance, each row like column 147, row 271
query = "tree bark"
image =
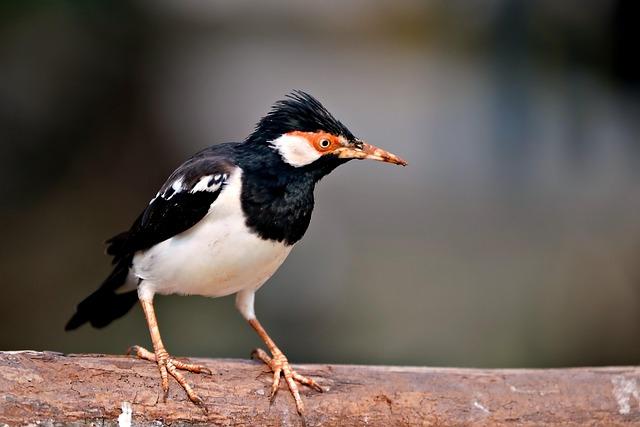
column 44, row 388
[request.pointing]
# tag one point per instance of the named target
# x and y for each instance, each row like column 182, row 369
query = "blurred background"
column 511, row 240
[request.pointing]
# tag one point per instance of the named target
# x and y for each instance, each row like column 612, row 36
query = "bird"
column 223, row 223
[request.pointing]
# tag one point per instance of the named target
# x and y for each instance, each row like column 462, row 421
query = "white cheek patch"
column 295, row 150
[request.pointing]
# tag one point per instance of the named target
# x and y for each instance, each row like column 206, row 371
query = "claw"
column 275, row 384
column 310, row 382
column 196, row 369
column 280, row 366
column 170, row 366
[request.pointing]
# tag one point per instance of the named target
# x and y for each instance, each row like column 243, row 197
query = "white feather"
column 203, row 184
column 176, row 186
column 295, row 150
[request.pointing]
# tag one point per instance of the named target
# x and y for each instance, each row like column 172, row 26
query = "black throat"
column 277, row 198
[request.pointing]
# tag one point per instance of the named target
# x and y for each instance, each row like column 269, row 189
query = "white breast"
column 218, row 256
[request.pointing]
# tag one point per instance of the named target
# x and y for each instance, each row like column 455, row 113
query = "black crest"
column 299, row 111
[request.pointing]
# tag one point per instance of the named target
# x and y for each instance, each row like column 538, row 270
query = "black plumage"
column 299, row 111
column 105, row 305
column 277, row 198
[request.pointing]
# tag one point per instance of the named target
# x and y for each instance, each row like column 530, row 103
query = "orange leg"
column 166, row 364
column 280, row 365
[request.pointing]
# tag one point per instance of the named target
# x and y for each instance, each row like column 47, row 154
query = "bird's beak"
column 362, row 150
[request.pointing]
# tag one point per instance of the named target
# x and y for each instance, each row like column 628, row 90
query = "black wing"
column 181, row 203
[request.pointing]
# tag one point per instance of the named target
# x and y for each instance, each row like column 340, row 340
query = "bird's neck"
column 277, row 199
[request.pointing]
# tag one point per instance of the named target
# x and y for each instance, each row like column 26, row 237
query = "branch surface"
column 44, row 388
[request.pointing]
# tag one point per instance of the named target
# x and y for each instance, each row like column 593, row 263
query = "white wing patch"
column 202, row 185
column 210, row 183
column 176, row 187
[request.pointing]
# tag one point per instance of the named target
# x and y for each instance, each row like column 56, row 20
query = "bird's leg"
column 166, row 364
column 280, row 365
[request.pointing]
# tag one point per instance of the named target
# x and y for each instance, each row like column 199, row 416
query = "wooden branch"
column 51, row 388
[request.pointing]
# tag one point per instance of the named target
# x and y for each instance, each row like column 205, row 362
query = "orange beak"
column 362, row 150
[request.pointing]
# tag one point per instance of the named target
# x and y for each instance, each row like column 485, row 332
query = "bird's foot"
column 280, row 365
column 169, row 366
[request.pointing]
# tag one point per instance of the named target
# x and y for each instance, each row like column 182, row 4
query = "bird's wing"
column 181, row 203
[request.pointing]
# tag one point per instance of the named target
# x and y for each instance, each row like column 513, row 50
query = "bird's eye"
column 325, row 143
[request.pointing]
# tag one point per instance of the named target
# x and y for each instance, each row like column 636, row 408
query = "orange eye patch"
column 322, row 142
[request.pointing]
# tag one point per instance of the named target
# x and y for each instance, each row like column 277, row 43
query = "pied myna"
column 223, row 223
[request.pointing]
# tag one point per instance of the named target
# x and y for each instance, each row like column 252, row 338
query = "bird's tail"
column 105, row 305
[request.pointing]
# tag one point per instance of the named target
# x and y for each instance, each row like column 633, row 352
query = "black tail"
column 104, row 305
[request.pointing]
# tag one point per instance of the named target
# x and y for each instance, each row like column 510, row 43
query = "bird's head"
column 305, row 135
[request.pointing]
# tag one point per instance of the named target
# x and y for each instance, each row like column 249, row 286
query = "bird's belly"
column 217, row 257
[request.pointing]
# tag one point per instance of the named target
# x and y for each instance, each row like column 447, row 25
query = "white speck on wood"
column 124, row 419
column 623, row 389
column 480, row 406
